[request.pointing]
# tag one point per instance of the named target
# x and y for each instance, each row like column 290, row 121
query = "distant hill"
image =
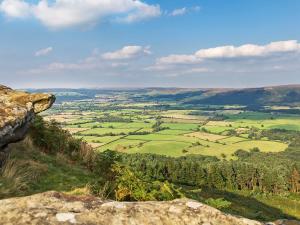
column 279, row 95
column 276, row 95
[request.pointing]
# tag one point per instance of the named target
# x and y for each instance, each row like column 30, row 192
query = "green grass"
column 168, row 148
column 292, row 123
column 104, row 139
column 215, row 149
column 103, row 131
column 58, row 173
column 62, row 176
column 98, row 124
column 246, row 204
column 137, row 125
column 286, row 126
column 122, row 145
column 216, row 129
column 180, row 126
column 232, row 140
column 173, row 132
column 162, row 137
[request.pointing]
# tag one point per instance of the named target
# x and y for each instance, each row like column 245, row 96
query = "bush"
column 218, row 203
column 130, row 186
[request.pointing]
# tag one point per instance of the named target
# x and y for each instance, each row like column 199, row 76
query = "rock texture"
column 17, row 109
column 56, row 208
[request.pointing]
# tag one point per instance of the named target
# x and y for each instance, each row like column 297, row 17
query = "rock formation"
column 56, row 208
column 17, row 109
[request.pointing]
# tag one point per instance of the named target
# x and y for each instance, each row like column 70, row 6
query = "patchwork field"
column 141, row 127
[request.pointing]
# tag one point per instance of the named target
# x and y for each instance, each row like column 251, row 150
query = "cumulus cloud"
column 65, row 13
column 274, row 57
column 44, row 51
column 179, row 12
column 127, row 52
column 248, row 58
column 233, row 52
column 15, row 8
column 184, row 10
column 179, row 59
column 249, row 50
column 109, row 61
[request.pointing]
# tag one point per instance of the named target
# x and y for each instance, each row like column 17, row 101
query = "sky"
column 151, row 43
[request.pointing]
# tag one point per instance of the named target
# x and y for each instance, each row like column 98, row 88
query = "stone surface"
column 17, row 109
column 56, row 208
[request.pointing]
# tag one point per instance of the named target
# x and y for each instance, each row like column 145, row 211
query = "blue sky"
column 125, row 43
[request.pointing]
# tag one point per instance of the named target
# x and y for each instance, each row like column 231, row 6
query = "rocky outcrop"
column 17, row 109
column 56, row 208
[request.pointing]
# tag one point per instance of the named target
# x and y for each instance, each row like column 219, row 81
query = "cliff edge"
column 17, row 109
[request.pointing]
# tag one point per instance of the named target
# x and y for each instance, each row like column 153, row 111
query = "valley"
column 121, row 123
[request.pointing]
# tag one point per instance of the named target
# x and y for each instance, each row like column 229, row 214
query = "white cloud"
column 66, row 13
column 15, row 8
column 107, row 62
column 43, row 52
column 249, row 58
column 232, row 52
column 282, row 56
column 127, row 52
column 178, row 59
column 142, row 12
column 179, row 12
column 249, row 50
column 184, row 10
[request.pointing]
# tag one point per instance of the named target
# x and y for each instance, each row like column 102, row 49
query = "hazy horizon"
column 150, row 87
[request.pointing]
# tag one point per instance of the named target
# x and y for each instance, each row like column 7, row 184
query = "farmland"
column 247, row 155
column 120, row 122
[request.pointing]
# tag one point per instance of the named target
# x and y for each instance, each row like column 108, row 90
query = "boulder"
column 17, row 109
column 57, row 208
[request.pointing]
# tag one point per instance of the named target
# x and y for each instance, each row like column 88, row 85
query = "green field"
column 250, row 156
column 131, row 129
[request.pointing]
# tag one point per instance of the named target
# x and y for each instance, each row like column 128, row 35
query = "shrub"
column 218, row 203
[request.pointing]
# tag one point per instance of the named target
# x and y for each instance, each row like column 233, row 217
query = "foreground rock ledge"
column 17, row 109
column 57, row 208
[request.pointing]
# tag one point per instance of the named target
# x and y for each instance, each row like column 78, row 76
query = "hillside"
column 281, row 95
column 278, row 95
column 288, row 95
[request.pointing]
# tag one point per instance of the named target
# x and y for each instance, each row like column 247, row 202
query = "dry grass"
column 87, row 154
column 177, row 120
column 61, row 118
column 219, row 123
column 15, row 175
column 75, row 130
column 96, row 145
column 86, row 190
column 242, row 130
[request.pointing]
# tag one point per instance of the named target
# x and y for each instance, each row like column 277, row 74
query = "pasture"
column 142, row 128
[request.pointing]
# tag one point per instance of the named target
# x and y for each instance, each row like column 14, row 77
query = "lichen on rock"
column 57, row 208
column 17, row 109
